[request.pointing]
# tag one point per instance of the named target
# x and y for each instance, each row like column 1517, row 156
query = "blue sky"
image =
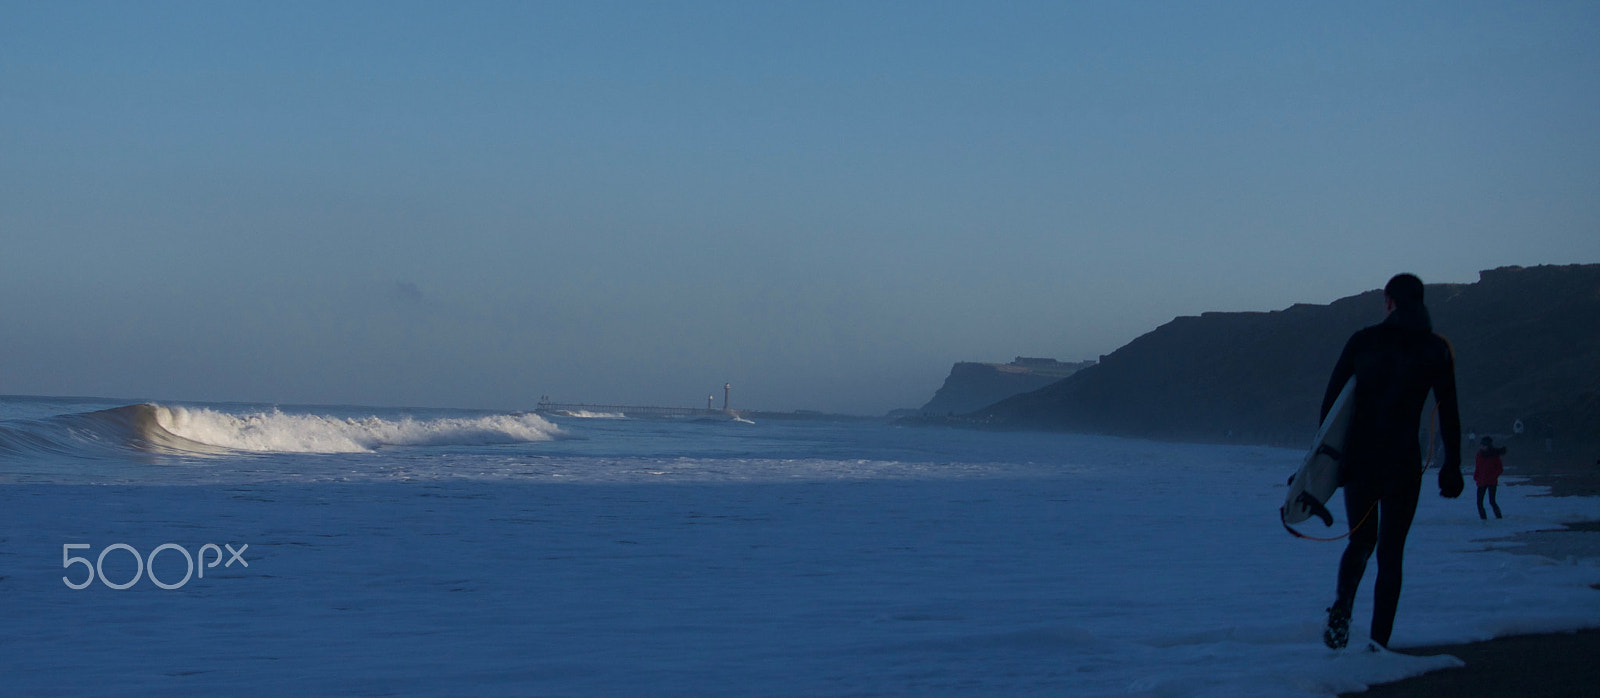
column 827, row 204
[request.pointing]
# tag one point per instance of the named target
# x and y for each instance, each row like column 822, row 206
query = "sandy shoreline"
column 1535, row 666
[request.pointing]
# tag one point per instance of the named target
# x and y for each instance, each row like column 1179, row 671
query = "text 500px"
column 146, row 566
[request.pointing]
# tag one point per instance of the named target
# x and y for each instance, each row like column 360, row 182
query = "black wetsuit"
column 1395, row 363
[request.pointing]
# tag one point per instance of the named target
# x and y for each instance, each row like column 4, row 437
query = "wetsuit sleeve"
column 1341, row 375
column 1444, row 395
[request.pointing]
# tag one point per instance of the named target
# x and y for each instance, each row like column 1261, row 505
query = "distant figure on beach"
column 1396, row 363
column 1487, row 475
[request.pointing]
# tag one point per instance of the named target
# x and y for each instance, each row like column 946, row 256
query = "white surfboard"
column 1312, row 487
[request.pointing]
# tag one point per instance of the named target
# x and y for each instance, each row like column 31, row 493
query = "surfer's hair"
column 1405, row 290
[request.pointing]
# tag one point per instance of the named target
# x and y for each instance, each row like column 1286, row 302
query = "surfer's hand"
column 1450, row 483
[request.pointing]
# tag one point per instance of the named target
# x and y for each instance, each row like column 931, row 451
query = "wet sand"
column 1527, row 666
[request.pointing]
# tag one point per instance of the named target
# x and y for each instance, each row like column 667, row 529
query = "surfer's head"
column 1404, row 291
column 1488, row 441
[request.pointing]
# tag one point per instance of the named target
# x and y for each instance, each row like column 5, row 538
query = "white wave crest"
column 585, row 414
column 276, row 432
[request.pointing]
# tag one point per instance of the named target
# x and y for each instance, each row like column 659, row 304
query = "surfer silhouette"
column 1487, row 474
column 1396, row 364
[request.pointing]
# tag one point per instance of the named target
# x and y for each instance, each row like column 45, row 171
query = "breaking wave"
column 586, row 414
column 151, row 428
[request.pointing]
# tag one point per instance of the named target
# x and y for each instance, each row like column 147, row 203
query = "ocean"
column 256, row 549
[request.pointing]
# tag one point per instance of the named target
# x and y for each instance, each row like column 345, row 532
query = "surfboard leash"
column 1433, row 437
column 1347, row 534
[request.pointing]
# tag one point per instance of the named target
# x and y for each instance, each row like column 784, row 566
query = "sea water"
column 392, row 551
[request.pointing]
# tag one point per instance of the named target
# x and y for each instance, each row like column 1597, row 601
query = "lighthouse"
column 727, row 390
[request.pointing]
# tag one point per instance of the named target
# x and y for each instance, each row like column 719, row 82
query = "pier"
column 645, row 411
column 578, row 409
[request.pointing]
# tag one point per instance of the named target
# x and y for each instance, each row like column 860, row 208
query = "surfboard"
column 1313, row 485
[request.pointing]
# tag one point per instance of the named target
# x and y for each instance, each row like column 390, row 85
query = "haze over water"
column 826, row 204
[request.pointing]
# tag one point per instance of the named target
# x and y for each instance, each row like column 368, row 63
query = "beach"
column 1548, row 665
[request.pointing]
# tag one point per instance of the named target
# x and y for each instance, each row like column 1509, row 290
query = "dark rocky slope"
column 1527, row 344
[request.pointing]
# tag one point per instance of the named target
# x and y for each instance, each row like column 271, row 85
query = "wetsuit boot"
column 1337, row 634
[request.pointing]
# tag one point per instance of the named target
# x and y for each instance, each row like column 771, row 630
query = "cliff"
column 1527, row 344
column 972, row 385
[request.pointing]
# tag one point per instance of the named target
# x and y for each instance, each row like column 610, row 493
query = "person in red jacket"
column 1487, row 475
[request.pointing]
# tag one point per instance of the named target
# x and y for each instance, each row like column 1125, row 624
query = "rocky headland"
column 972, row 385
